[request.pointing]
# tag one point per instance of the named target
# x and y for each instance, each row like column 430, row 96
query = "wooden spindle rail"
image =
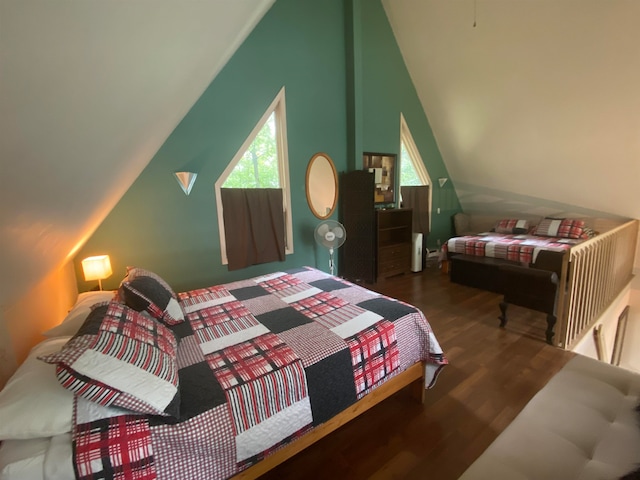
column 593, row 275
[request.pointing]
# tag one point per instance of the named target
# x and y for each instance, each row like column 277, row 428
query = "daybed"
column 528, row 241
column 583, row 424
column 220, row 382
column 592, row 258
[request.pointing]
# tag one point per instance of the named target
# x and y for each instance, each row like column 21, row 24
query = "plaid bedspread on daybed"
column 262, row 361
column 518, row 248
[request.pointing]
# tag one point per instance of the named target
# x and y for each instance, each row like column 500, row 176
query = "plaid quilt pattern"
column 261, row 362
column 518, row 248
column 318, row 305
column 114, row 447
column 374, row 353
column 276, row 283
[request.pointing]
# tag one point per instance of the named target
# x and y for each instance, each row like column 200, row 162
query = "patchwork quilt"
column 261, row 362
column 517, row 248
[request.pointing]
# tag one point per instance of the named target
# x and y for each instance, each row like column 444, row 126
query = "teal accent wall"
column 305, row 46
column 388, row 91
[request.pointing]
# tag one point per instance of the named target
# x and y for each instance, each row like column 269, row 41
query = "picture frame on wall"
column 618, row 342
column 383, row 166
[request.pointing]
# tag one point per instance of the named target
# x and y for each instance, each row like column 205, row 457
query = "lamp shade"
column 96, row 268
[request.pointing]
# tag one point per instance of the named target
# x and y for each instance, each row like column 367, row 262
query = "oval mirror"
column 322, row 185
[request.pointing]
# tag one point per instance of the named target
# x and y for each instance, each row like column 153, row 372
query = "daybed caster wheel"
column 503, row 317
column 551, row 321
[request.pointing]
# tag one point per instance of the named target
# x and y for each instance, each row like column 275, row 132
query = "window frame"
column 406, row 139
column 278, row 105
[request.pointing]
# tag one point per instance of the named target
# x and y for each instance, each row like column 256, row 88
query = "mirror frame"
column 316, row 157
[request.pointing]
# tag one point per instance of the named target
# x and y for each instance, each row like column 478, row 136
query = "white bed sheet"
column 46, row 458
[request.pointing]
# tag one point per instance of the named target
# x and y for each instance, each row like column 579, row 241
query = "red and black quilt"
column 515, row 247
column 261, row 362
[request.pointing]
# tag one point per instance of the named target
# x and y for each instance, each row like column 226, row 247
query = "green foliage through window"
column 408, row 174
column 258, row 167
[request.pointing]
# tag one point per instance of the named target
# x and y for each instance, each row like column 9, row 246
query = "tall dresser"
column 393, row 247
column 378, row 241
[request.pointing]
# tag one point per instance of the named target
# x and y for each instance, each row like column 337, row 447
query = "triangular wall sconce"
column 186, row 180
column 442, row 181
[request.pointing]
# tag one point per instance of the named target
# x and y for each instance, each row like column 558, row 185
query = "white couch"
column 582, row 425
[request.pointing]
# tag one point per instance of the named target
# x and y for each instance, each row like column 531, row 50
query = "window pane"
column 258, row 167
column 408, row 174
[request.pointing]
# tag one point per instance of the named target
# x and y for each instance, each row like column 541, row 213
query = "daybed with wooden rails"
column 221, row 382
column 587, row 263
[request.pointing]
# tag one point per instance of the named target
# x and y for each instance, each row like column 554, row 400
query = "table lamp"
column 96, row 268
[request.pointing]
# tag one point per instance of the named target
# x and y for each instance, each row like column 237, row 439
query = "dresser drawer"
column 393, row 260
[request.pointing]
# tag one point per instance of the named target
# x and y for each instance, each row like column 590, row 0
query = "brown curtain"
column 254, row 226
column 417, row 198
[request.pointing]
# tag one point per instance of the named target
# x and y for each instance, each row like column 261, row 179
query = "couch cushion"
column 581, row 425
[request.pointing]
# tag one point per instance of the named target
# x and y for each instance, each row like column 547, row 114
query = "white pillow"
column 33, row 403
column 79, row 313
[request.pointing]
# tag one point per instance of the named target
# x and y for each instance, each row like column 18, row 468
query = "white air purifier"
column 416, row 252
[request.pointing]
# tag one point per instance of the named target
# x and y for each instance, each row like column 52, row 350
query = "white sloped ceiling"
column 89, row 90
column 540, row 98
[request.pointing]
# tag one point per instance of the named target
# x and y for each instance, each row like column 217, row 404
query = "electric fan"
column 330, row 234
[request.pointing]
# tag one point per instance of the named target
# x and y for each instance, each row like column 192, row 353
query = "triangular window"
column 412, row 169
column 261, row 162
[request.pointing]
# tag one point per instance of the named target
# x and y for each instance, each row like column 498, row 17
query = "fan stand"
column 331, row 260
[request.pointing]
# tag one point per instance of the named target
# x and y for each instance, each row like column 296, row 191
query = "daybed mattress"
column 582, row 425
column 517, row 248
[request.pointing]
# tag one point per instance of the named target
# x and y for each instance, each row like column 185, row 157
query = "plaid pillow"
column 123, row 358
column 149, row 294
column 135, row 272
column 560, row 227
column 511, row 225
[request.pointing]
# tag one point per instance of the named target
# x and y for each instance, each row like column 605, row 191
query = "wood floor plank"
column 492, row 373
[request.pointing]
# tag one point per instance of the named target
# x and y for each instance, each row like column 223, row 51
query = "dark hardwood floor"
column 492, row 374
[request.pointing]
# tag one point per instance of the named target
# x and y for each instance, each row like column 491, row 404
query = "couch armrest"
column 461, row 222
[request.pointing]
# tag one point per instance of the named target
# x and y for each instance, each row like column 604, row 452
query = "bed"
column 475, row 260
column 220, row 382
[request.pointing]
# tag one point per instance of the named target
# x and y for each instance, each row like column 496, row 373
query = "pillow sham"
column 560, row 227
column 511, row 225
column 135, row 272
column 78, row 313
column 32, row 403
column 121, row 357
column 146, row 293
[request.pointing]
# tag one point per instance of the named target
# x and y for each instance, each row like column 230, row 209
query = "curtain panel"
column 417, row 198
column 254, row 226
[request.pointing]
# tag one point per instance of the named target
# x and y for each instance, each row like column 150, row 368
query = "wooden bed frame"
column 413, row 376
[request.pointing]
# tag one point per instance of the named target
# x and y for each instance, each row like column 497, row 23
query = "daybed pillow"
column 560, row 227
column 511, row 225
column 148, row 294
column 79, row 313
column 32, row 403
column 123, row 358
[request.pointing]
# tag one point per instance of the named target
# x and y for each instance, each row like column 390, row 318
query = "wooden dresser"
column 393, row 244
column 378, row 241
